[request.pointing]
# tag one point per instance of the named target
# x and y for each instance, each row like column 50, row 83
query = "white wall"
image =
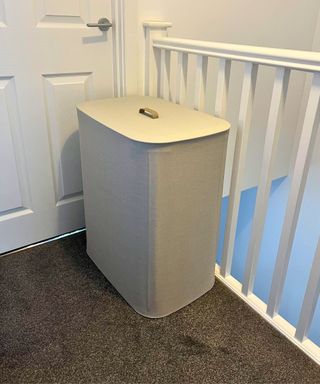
column 283, row 24
column 132, row 42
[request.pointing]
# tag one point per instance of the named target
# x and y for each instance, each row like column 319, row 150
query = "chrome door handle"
column 103, row 24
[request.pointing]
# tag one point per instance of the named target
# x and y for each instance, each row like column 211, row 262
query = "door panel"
column 50, row 62
column 71, row 8
column 13, row 191
column 62, row 93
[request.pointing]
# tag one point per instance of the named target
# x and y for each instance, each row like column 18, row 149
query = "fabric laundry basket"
column 152, row 195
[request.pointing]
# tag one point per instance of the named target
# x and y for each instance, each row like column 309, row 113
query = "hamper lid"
column 175, row 123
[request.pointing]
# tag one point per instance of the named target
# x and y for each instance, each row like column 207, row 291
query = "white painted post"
column 310, row 298
column 200, row 82
column 152, row 29
column 182, row 77
column 119, row 58
column 165, row 74
column 299, row 177
column 244, row 123
column 278, row 99
column 220, row 107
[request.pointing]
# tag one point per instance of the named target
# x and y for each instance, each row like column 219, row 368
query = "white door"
column 49, row 62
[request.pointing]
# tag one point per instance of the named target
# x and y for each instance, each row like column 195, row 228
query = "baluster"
column 220, row 107
column 182, row 75
column 152, row 29
column 278, row 99
column 242, row 136
column 310, row 298
column 200, row 82
column 299, row 177
column 165, row 74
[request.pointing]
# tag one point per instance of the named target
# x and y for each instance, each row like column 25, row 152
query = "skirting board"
column 278, row 322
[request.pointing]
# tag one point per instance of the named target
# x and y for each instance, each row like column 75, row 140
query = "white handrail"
column 299, row 60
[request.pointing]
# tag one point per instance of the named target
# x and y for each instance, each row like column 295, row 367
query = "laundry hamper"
column 153, row 178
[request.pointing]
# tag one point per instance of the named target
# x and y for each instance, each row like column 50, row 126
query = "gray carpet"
column 62, row 322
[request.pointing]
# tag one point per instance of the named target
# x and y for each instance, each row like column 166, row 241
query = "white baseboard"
column 278, row 322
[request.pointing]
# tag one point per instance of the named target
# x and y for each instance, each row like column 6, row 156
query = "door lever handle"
column 103, row 24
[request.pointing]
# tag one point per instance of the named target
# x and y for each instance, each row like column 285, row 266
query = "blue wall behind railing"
column 304, row 246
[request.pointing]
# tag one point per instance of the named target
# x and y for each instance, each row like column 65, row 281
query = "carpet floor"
column 62, row 322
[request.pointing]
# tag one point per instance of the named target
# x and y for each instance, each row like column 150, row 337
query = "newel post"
column 152, row 29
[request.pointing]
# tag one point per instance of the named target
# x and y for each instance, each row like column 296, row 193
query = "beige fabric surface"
column 152, row 214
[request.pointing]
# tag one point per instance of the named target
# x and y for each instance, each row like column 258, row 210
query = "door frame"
column 119, row 57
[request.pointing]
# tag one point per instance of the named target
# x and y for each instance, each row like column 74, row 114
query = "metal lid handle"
column 149, row 112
